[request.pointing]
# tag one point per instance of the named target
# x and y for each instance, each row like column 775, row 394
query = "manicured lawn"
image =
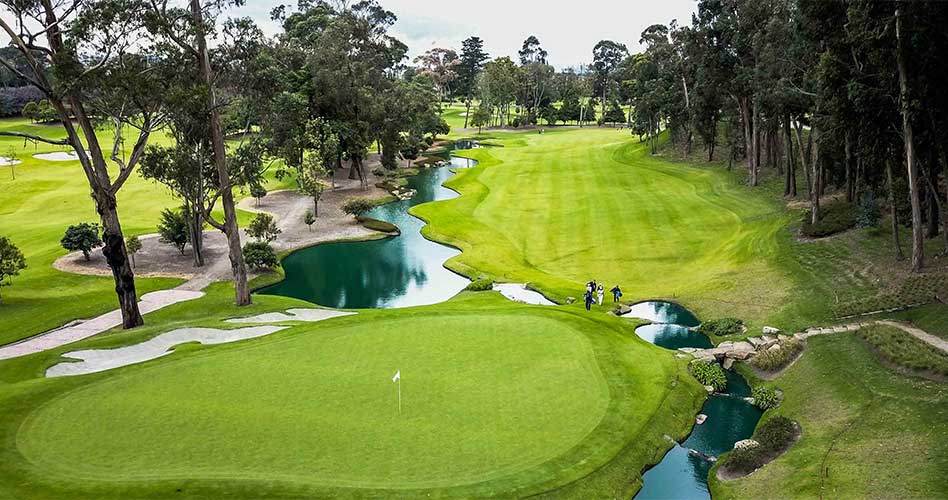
column 868, row 432
column 497, row 397
column 35, row 209
column 567, row 206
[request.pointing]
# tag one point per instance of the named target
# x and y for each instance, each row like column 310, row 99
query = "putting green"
column 508, row 397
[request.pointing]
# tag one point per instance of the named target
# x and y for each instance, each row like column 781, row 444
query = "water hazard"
column 400, row 271
column 683, row 473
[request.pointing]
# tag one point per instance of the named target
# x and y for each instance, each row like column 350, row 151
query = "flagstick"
column 399, row 395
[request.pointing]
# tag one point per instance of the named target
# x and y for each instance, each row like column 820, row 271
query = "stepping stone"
column 770, row 330
column 800, row 336
column 745, row 444
column 688, row 349
column 726, row 344
column 840, row 329
column 728, row 363
column 700, row 418
column 746, row 346
column 756, row 341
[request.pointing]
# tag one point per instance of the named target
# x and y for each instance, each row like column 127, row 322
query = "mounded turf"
column 560, row 208
column 497, row 397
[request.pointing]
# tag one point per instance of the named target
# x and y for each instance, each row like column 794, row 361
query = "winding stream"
column 683, row 474
column 398, row 271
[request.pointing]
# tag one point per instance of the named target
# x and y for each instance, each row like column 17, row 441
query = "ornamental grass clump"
column 709, row 373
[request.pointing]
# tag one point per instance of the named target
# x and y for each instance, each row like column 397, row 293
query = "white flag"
column 397, row 377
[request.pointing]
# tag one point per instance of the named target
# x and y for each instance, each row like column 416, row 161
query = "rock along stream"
column 683, row 473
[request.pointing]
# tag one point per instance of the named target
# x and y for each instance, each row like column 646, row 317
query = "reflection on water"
column 400, row 271
column 658, row 311
column 683, row 474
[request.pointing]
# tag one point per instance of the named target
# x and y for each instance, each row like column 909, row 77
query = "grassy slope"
column 536, row 398
column 35, row 210
column 564, row 207
column 873, row 433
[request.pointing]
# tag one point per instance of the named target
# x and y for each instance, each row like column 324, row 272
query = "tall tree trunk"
column 235, row 252
column 893, row 212
column 755, row 148
column 847, row 147
column 467, row 113
column 933, row 199
column 790, row 188
column 817, row 176
column 918, row 250
column 804, row 155
column 748, row 136
column 116, row 256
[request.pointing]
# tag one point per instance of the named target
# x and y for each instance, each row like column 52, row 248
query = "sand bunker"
column 518, row 292
column 97, row 360
column 58, row 156
column 307, row 315
column 6, row 162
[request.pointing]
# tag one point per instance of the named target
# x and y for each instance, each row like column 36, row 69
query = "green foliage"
column 765, row 398
column 914, row 290
column 772, row 360
column 11, row 260
column 82, row 237
column 357, row 205
column 709, row 373
column 480, row 285
column 260, row 255
column 173, row 229
column 721, row 327
column 263, row 227
column 257, row 191
column 836, row 217
column 867, row 211
column 133, row 244
column 309, row 218
column 901, row 349
column 775, row 437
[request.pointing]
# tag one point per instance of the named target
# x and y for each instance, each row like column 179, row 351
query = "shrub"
column 867, row 211
column 257, row 191
column 11, row 260
column 709, row 373
column 721, row 327
column 777, row 359
column 133, row 245
column 836, row 217
column 263, row 227
column 260, row 255
column 480, row 285
column 81, row 237
column 309, row 218
column 357, row 205
column 775, row 437
column 173, row 229
column 765, row 398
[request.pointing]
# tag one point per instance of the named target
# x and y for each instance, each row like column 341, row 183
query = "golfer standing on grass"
column 616, row 293
column 588, row 297
column 602, row 292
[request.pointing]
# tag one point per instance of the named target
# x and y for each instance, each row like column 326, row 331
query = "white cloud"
column 567, row 30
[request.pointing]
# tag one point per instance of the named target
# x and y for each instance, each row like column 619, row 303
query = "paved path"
column 936, row 342
column 84, row 329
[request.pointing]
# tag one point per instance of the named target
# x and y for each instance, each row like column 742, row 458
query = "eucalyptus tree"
column 472, row 61
column 536, row 75
column 440, row 65
column 90, row 59
column 188, row 29
column 498, row 85
column 607, row 56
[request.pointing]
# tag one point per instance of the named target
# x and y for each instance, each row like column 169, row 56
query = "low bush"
column 709, row 373
column 868, row 214
column 765, row 398
column 81, row 237
column 358, row 205
column 901, row 349
column 772, row 360
column 775, row 437
column 263, row 227
column 481, row 285
column 721, row 327
column 378, row 225
column 836, row 217
column 260, row 255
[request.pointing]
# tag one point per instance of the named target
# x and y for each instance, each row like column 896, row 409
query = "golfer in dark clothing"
column 616, row 293
column 589, row 299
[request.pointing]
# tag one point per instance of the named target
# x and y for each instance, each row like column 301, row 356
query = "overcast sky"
column 567, row 29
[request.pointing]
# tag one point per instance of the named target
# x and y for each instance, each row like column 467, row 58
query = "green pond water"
column 398, row 271
column 682, row 473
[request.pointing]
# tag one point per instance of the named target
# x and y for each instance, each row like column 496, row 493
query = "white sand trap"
column 58, row 156
column 6, row 162
column 97, row 360
column 518, row 292
column 307, row 315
